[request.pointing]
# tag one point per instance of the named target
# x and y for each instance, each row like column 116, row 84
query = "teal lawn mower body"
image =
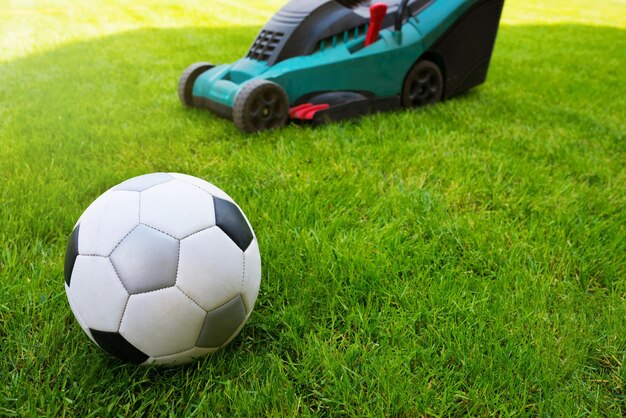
column 327, row 60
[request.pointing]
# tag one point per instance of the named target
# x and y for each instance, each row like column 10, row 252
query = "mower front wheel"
column 423, row 85
column 260, row 105
column 187, row 80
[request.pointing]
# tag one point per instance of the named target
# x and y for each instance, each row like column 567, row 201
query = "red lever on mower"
column 378, row 11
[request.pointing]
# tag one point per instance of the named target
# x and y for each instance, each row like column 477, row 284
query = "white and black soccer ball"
column 163, row 269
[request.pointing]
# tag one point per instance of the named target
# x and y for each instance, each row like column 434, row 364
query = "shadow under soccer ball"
column 162, row 269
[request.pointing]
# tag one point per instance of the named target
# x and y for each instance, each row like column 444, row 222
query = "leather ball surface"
column 162, row 269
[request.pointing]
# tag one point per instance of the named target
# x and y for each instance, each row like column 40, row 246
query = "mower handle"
column 400, row 15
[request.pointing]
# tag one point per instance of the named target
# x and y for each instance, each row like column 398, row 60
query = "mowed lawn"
column 467, row 258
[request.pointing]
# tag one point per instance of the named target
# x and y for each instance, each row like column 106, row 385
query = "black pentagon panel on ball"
column 116, row 345
column 229, row 219
column 71, row 254
column 221, row 323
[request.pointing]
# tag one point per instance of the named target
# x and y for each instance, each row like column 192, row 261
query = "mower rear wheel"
column 187, row 80
column 423, row 85
column 260, row 105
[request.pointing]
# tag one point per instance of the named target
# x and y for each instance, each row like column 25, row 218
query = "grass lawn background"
column 467, row 258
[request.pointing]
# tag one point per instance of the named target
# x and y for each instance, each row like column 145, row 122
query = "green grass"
column 463, row 259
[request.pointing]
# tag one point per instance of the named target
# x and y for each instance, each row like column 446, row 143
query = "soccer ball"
column 162, row 269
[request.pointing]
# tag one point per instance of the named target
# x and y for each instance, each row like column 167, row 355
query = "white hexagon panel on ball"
column 162, row 269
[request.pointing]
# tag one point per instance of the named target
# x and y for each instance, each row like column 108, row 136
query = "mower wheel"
column 423, row 85
column 187, row 79
column 260, row 105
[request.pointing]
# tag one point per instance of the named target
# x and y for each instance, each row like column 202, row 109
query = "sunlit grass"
column 608, row 13
column 37, row 26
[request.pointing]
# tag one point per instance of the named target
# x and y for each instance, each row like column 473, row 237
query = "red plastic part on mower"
column 378, row 11
column 306, row 111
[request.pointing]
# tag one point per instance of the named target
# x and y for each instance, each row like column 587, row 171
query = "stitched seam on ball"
column 156, row 185
column 158, row 230
column 226, row 303
column 243, row 276
column 226, row 197
column 180, row 352
column 195, row 185
column 180, row 244
column 189, row 297
column 197, row 232
column 93, row 255
column 243, row 279
column 125, row 190
column 139, row 208
column 118, row 276
column 152, row 291
column 206, row 191
column 123, row 238
column 119, row 327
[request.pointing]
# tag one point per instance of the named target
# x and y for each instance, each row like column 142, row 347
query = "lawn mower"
column 326, row 60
